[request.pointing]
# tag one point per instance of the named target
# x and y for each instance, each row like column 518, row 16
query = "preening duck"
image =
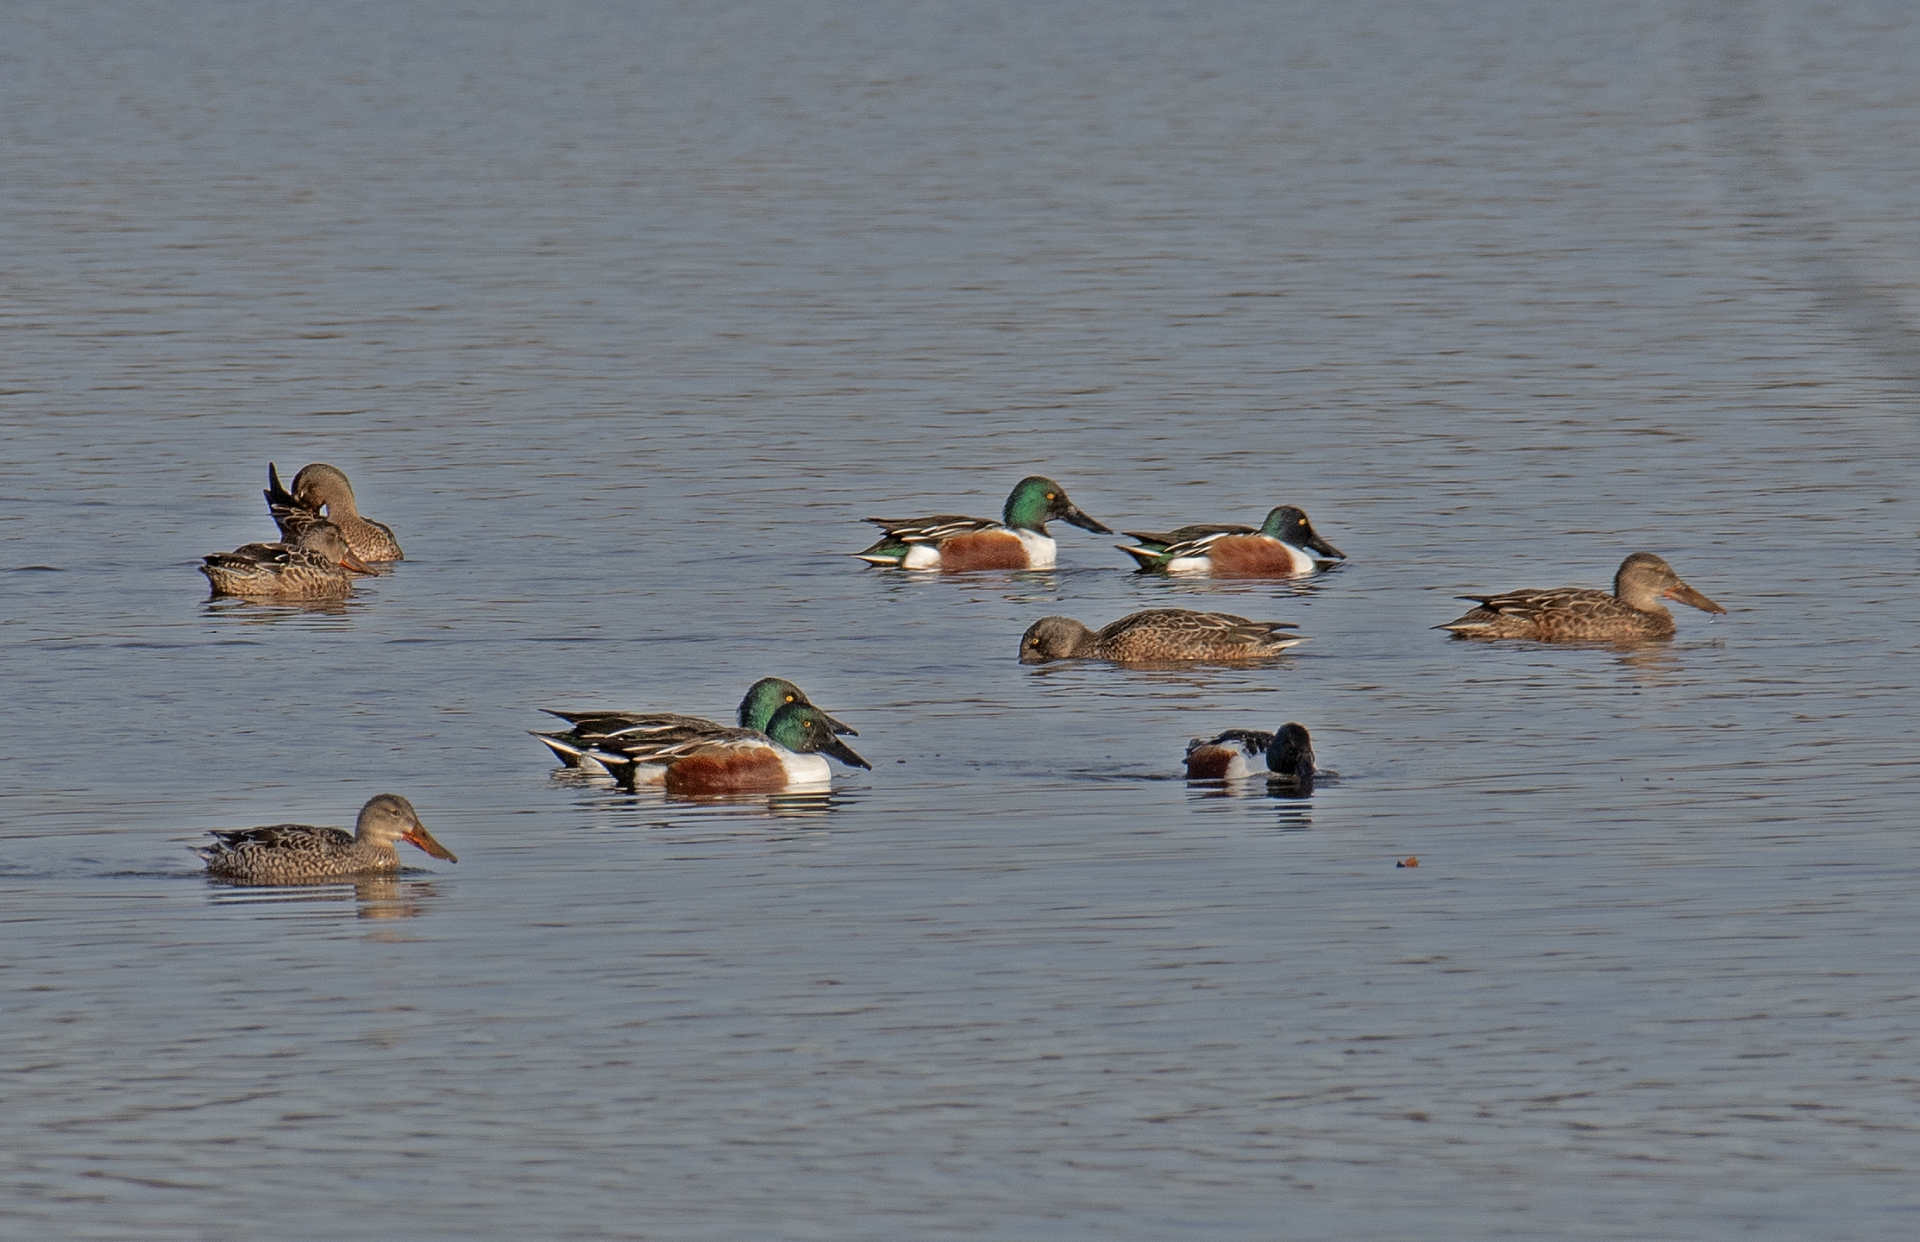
column 320, row 489
column 1285, row 757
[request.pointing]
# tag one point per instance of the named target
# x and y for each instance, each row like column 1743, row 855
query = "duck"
column 295, row 853
column 1019, row 540
column 1285, row 545
column 1156, row 635
column 319, row 487
column 573, row 747
column 718, row 760
column 319, row 565
column 1229, row 756
column 1633, row 613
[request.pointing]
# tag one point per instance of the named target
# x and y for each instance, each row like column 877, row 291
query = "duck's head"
column 1291, row 755
column 1054, row 638
column 804, row 729
column 769, row 695
column 326, row 539
column 1644, row 580
column 1035, row 501
column 387, row 818
column 1289, row 525
column 320, row 484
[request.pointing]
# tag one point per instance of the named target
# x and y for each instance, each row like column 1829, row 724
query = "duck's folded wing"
column 1188, row 538
column 932, row 529
column 1533, row 602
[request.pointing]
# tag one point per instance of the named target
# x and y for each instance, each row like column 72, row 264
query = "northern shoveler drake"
column 1577, row 614
column 1156, row 635
column 720, row 760
column 591, row 730
column 321, row 487
column 1019, row 540
column 1286, row 545
column 1288, row 757
column 292, row 853
column 319, row 566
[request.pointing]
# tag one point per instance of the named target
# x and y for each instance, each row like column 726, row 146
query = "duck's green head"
column 1290, row 526
column 804, row 729
column 1036, row 501
column 769, row 695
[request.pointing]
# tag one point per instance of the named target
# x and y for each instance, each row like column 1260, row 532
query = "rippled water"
column 624, row 316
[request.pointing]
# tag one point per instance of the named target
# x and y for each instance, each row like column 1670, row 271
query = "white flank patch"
column 1040, row 549
column 806, row 769
column 921, row 556
column 1189, row 565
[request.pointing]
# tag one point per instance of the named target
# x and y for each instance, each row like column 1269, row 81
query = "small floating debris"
column 1408, row 861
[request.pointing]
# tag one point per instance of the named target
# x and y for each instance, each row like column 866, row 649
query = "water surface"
column 625, row 316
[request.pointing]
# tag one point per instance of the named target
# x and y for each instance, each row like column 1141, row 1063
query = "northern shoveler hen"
column 1578, row 614
column 322, row 487
column 1286, row 545
column 1019, row 540
column 591, row 730
column 319, row 566
column 1288, row 757
column 1156, row 635
column 292, row 853
column 722, row 760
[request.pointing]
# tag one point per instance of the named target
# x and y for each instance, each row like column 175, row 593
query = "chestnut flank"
column 991, row 549
column 1249, row 556
column 727, row 770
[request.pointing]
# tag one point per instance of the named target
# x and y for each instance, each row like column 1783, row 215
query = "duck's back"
column 1562, row 614
column 289, row 851
column 1180, row 634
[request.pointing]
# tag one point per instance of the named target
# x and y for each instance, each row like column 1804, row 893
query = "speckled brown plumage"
column 319, row 487
column 299, row 853
column 1157, row 635
column 319, row 566
column 1633, row 613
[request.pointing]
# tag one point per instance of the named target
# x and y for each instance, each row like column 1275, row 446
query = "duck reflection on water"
column 378, row 898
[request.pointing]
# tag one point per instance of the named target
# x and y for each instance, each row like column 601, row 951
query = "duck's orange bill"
column 358, row 566
column 418, row 835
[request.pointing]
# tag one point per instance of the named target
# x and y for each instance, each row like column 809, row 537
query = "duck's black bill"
column 1315, row 543
column 1075, row 516
column 845, row 754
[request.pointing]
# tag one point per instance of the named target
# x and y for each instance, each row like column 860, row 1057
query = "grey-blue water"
column 624, row 315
